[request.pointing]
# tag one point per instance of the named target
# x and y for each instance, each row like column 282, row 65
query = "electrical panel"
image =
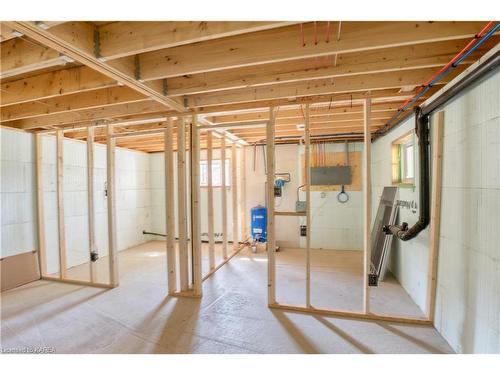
column 339, row 175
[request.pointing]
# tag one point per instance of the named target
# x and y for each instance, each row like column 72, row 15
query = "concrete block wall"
column 468, row 292
column 18, row 204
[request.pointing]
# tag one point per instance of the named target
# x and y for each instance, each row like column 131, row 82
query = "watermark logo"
column 29, row 350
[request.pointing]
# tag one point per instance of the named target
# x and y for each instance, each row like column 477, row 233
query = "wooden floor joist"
column 139, row 84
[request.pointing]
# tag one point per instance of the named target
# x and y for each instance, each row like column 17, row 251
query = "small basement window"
column 216, row 173
column 403, row 160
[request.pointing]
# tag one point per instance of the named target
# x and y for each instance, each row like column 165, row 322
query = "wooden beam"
column 307, row 159
column 90, row 201
column 20, row 56
column 223, row 190
column 335, row 108
column 182, row 205
column 367, row 206
column 87, row 115
column 76, row 44
column 286, row 44
column 60, row 203
column 170, row 208
column 381, row 81
column 367, row 62
column 120, row 39
column 195, row 207
column 271, row 239
column 234, row 195
column 73, row 102
column 42, row 254
column 434, row 230
column 53, row 84
column 111, row 190
column 210, row 203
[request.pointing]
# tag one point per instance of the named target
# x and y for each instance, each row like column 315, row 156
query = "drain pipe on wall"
column 402, row 231
column 422, row 116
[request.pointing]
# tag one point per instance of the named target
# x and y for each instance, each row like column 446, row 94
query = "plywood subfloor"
column 232, row 317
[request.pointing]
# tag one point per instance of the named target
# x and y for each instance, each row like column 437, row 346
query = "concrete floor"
column 232, row 317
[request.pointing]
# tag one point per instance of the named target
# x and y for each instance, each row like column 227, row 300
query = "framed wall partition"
column 307, row 307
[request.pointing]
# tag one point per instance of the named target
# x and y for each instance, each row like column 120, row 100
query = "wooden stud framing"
column 170, row 208
column 60, row 203
column 77, row 282
column 234, row 194
column 182, row 204
column 195, row 207
column 223, row 195
column 42, row 255
column 243, row 195
column 307, row 158
column 271, row 242
column 434, row 230
column 367, row 207
column 221, row 264
column 90, row 200
column 110, row 173
column 351, row 314
column 210, row 203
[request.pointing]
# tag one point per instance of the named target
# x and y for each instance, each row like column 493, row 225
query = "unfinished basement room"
column 250, row 187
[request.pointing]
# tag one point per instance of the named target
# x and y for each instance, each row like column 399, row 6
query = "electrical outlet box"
column 277, row 191
column 372, row 279
column 303, row 230
column 300, row 206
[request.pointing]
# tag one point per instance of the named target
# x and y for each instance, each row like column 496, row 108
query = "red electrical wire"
column 465, row 49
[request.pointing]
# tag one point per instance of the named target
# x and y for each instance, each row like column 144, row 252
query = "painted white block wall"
column 467, row 302
column 18, row 204
column 334, row 225
column 468, row 294
column 18, row 220
column 157, row 165
column 408, row 259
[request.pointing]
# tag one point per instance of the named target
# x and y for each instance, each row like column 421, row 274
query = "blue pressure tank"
column 259, row 223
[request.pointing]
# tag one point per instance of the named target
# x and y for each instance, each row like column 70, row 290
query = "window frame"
column 399, row 160
column 215, row 164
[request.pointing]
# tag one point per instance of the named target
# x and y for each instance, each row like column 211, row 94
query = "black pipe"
column 482, row 70
column 402, row 231
column 422, row 116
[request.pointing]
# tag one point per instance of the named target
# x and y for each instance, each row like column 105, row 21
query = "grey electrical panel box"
column 339, row 175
